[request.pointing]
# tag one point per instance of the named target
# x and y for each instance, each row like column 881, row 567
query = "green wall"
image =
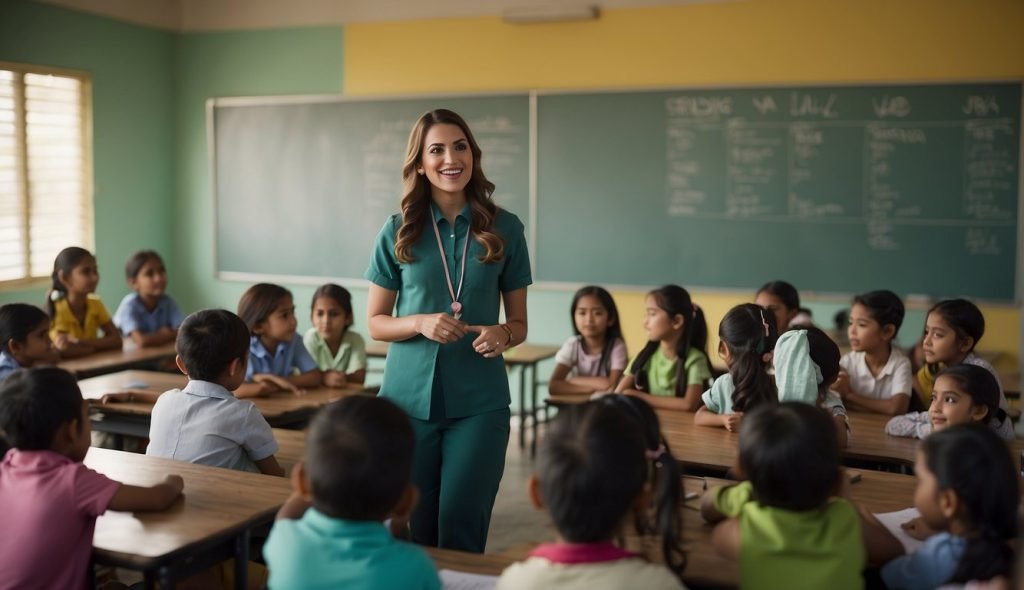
column 134, row 169
column 242, row 63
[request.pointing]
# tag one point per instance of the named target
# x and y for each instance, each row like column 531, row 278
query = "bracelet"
column 508, row 331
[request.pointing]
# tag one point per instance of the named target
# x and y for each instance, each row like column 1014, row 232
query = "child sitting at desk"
column 276, row 351
column 147, row 315
column 784, row 525
column 77, row 313
column 204, row 423
column 50, row 499
column 875, row 375
column 356, row 472
column 24, row 340
column 806, row 365
column 596, row 475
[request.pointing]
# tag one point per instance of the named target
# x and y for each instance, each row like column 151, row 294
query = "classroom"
column 249, row 142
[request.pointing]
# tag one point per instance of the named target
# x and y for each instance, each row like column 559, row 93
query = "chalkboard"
column 302, row 185
column 836, row 189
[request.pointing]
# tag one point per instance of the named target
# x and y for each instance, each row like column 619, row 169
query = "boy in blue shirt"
column 356, row 473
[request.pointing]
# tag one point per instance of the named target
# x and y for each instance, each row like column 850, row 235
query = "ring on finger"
column 444, row 333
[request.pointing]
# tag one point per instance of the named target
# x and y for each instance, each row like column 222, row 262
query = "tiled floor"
column 514, row 521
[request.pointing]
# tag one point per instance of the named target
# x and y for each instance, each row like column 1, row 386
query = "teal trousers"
column 457, row 468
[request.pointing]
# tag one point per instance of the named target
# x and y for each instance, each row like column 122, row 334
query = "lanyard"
column 456, row 306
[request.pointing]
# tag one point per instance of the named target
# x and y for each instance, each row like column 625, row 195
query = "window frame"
column 21, row 150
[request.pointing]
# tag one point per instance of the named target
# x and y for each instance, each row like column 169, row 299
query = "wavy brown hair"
column 416, row 192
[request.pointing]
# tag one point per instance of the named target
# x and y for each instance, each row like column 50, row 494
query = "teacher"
column 449, row 259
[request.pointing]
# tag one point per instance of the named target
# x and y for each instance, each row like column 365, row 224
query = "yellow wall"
column 741, row 42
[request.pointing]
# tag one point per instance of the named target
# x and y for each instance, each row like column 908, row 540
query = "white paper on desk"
column 453, row 580
column 892, row 522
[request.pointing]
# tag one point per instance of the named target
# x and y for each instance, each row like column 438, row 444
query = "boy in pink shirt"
column 49, row 500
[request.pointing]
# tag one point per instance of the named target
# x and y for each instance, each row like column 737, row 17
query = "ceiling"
column 208, row 15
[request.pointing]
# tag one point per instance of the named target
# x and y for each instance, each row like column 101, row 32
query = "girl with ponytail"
column 77, row 313
column 672, row 370
column 746, row 340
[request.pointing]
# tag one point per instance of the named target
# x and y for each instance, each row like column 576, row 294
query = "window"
column 45, row 169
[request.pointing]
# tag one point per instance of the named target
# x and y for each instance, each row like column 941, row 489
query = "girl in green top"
column 439, row 272
column 338, row 351
column 672, row 370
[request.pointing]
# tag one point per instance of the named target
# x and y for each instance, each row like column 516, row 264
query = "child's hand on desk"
column 335, row 379
column 284, row 385
column 842, row 384
column 732, row 421
column 917, row 529
column 176, row 483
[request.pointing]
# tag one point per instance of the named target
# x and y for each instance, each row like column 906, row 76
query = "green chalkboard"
column 302, row 185
column 837, row 189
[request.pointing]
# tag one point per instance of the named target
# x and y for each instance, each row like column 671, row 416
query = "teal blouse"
column 471, row 383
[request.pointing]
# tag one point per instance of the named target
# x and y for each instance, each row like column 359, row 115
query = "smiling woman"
column 454, row 257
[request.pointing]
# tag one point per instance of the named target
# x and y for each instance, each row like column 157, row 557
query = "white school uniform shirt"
column 206, row 424
column 895, row 378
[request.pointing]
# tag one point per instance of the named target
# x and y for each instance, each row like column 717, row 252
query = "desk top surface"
column 216, row 503
column 110, row 360
column 716, row 447
column 272, row 407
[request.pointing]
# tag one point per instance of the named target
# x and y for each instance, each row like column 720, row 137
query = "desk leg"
column 166, row 579
column 533, row 408
column 522, row 407
column 242, row 560
column 148, row 580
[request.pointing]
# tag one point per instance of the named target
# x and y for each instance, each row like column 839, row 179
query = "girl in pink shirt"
column 50, row 499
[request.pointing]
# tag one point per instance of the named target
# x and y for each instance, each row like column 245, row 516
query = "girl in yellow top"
column 672, row 370
column 77, row 314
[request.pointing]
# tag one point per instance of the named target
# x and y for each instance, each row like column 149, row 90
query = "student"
column 592, row 477
column 783, row 300
column 50, row 499
column 148, row 315
column 24, row 338
column 329, row 534
column 338, row 352
column 785, row 524
column 806, row 365
column 77, row 313
column 276, row 351
column 967, row 488
column 594, row 358
column 875, row 375
column 746, row 340
column 952, row 330
column 672, row 370
column 962, row 394
column 204, row 423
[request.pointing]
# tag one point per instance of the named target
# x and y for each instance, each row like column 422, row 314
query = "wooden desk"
column 291, row 447
column 280, row 409
column 523, row 358
column 110, row 361
column 715, row 448
column 210, row 524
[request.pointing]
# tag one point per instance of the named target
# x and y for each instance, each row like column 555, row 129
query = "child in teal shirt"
column 356, row 473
